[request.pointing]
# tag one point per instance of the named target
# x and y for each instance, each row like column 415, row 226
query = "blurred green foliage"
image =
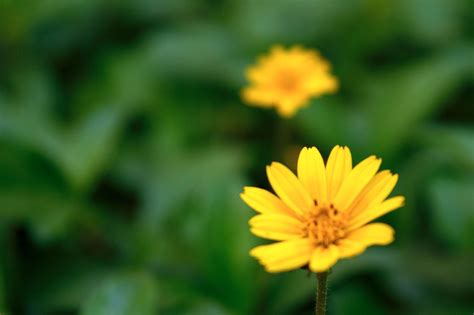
column 124, row 146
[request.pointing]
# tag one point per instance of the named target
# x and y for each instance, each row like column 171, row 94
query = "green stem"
column 322, row 293
column 281, row 136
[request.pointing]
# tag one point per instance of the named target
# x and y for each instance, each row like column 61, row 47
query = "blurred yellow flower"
column 321, row 215
column 287, row 79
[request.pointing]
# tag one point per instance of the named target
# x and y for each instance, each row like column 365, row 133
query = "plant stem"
column 281, row 137
column 321, row 293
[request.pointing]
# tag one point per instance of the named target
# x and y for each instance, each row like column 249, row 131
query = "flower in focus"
column 322, row 214
column 287, row 79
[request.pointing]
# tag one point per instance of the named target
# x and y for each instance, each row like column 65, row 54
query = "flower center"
column 287, row 81
column 325, row 225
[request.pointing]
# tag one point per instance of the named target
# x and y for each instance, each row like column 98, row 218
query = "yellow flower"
column 321, row 215
column 287, row 79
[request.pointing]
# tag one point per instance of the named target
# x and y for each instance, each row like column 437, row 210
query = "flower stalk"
column 322, row 292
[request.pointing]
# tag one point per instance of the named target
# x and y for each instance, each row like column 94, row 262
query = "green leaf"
column 397, row 102
column 452, row 202
column 325, row 123
column 206, row 307
column 454, row 142
column 355, row 299
column 442, row 150
column 49, row 214
column 90, row 146
column 62, row 283
column 260, row 21
column 122, row 295
column 432, row 21
column 186, row 194
column 81, row 153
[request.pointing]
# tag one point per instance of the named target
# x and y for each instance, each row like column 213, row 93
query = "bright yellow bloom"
column 287, row 79
column 321, row 215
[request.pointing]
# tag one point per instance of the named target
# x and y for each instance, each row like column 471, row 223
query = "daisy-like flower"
column 322, row 214
column 287, row 78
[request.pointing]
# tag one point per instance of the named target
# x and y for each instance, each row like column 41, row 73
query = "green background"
column 124, row 146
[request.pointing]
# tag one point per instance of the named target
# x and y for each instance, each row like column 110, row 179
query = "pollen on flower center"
column 325, row 225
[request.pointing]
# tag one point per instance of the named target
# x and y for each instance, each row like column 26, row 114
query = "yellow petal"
column 355, row 182
column 256, row 96
column 287, row 108
column 274, row 235
column 379, row 196
column 373, row 234
column 375, row 211
column 338, row 166
column 283, row 256
column 357, row 241
column 324, row 258
column 349, row 248
column 347, row 160
column 276, row 227
column 367, row 196
column 312, row 173
column 289, row 188
column 264, row 201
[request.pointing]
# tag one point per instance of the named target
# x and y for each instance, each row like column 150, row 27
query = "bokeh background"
column 124, row 146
